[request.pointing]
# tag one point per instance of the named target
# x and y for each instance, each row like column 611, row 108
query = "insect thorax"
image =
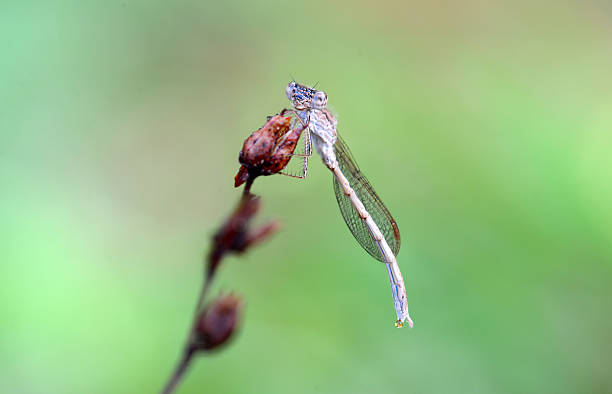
column 324, row 136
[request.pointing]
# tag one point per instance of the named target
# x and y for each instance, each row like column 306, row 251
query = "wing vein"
column 372, row 203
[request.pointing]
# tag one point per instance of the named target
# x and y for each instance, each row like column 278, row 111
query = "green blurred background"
column 484, row 126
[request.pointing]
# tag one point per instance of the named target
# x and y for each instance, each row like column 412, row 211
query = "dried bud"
column 235, row 235
column 268, row 150
column 260, row 145
column 217, row 323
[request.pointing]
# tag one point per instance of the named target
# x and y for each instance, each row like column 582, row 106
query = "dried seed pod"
column 260, row 145
column 217, row 323
column 268, row 150
column 236, row 236
column 282, row 153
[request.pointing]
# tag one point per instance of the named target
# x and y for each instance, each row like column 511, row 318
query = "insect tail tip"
column 400, row 322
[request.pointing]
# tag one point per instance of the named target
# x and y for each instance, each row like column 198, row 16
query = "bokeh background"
column 484, row 126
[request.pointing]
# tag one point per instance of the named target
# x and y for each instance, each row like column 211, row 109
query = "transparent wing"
column 298, row 164
column 296, row 168
column 373, row 204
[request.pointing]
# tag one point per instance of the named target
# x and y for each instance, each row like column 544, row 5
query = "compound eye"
column 289, row 90
column 319, row 100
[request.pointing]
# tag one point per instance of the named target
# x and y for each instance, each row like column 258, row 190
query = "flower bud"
column 217, row 322
column 236, row 235
column 268, row 150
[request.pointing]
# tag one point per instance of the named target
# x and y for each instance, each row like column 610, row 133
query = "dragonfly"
column 365, row 214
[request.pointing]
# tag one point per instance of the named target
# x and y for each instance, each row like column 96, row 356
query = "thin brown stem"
column 247, row 186
column 189, row 349
column 179, row 371
column 196, row 312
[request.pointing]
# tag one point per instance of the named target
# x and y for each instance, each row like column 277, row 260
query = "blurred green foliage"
column 485, row 127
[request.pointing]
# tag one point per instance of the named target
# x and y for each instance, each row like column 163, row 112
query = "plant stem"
column 189, row 349
column 247, row 187
column 179, row 371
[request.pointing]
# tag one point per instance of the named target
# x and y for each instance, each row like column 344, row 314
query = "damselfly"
column 363, row 211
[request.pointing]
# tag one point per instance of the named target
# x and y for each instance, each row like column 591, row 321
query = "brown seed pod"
column 217, row 322
column 268, row 150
